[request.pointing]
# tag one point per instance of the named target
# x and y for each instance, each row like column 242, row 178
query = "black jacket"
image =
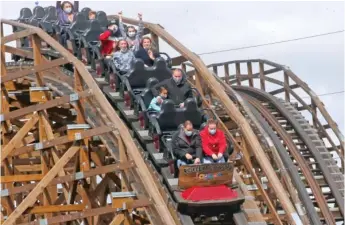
column 177, row 93
column 142, row 54
column 181, row 146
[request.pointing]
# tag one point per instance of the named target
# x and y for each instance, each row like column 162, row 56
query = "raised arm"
column 58, row 7
column 140, row 27
column 121, row 27
column 76, row 6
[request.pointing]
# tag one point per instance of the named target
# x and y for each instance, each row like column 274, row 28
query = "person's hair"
column 66, row 2
column 211, row 121
column 186, row 123
column 92, row 13
column 162, row 88
column 153, row 46
column 132, row 28
column 178, row 69
column 118, row 44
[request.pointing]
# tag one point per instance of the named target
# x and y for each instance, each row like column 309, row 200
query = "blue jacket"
column 154, row 105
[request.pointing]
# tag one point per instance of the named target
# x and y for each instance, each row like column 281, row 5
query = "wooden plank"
column 250, row 74
column 31, row 198
column 37, row 68
column 56, row 208
column 17, row 35
column 176, row 61
column 18, row 137
column 238, row 73
column 38, row 107
column 117, row 219
column 20, row 52
column 262, row 76
column 21, row 178
column 227, row 74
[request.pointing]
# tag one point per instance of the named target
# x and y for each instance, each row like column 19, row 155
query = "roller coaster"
column 79, row 145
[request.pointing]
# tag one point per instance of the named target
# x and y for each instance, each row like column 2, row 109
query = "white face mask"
column 68, row 10
column 131, row 34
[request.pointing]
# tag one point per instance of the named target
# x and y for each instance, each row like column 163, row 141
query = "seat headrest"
column 25, row 13
column 38, row 12
column 191, row 105
column 167, row 105
column 151, row 82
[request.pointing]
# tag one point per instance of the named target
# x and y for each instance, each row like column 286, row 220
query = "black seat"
column 86, row 11
column 38, row 15
column 25, row 15
column 47, row 23
column 78, row 28
column 169, row 118
column 138, row 76
column 147, row 95
column 102, row 18
column 90, row 40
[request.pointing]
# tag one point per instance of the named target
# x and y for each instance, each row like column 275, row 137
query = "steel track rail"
column 327, row 173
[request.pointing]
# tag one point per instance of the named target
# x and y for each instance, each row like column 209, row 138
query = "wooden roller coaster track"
column 89, row 141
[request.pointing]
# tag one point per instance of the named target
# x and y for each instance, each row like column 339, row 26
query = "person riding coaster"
column 186, row 145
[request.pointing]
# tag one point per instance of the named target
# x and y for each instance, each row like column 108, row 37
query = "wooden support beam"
column 62, row 140
column 18, row 137
column 238, row 73
column 37, row 68
column 262, row 76
column 286, row 87
column 250, row 74
column 17, row 35
column 20, row 52
column 46, row 105
column 227, row 73
column 21, row 178
column 31, row 198
column 76, row 176
column 56, row 209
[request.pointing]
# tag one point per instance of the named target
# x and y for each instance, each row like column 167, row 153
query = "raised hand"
column 140, row 16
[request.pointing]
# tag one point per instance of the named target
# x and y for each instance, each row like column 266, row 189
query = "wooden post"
column 227, row 75
column 238, row 73
column 262, row 76
column 286, row 87
column 250, row 74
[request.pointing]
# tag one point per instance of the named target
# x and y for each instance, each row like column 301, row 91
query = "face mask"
column 188, row 133
column 163, row 96
column 212, row 131
column 68, row 10
column 177, row 80
column 123, row 50
column 131, row 34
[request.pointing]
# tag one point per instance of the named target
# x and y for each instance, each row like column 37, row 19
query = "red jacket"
column 107, row 46
column 213, row 144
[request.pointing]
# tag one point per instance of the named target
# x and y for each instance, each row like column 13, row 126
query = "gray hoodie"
column 123, row 60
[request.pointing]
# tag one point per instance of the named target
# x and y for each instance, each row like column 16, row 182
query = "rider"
column 66, row 12
column 213, row 143
column 133, row 36
column 156, row 102
column 124, row 58
column 186, row 145
column 146, row 52
column 178, row 88
column 108, row 39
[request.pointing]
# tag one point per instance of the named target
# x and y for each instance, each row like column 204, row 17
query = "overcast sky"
column 211, row 26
